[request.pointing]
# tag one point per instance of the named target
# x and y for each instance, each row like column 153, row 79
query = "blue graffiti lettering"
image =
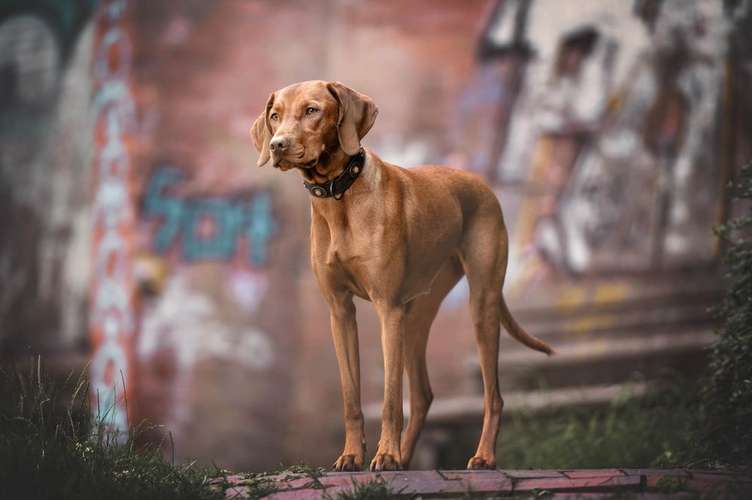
column 182, row 221
column 224, row 215
column 158, row 203
column 261, row 226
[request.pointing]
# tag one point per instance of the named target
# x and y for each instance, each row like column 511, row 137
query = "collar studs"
column 337, row 187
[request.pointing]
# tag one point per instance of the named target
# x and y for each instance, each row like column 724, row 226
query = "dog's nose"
column 279, row 144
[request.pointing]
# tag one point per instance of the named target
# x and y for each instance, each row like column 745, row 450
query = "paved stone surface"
column 556, row 484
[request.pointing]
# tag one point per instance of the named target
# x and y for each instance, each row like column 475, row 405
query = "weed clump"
column 726, row 435
column 53, row 447
column 376, row 489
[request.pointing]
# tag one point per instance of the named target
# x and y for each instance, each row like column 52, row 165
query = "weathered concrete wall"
column 45, row 142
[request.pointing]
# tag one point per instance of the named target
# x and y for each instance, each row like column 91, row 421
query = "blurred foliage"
column 653, row 430
column 52, row 448
column 726, row 433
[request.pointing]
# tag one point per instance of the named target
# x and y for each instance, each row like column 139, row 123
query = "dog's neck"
column 361, row 191
column 329, row 167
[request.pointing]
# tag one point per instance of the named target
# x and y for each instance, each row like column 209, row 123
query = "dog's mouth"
column 297, row 161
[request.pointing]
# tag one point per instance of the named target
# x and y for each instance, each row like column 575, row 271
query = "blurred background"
column 141, row 241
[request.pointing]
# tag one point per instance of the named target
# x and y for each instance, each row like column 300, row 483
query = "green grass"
column 52, row 448
column 655, row 430
column 376, row 489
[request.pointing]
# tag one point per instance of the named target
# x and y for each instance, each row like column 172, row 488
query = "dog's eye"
column 274, row 116
column 311, row 110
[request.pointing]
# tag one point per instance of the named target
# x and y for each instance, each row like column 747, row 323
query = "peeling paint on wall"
column 113, row 316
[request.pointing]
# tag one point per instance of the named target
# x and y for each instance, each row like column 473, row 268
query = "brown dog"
column 401, row 239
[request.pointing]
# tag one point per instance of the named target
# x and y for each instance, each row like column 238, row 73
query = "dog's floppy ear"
column 261, row 132
column 357, row 112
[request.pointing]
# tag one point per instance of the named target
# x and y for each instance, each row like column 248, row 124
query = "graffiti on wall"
column 113, row 303
column 44, row 141
column 36, row 38
column 185, row 325
column 209, row 228
column 612, row 133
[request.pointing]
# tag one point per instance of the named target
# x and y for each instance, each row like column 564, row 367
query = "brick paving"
column 556, row 484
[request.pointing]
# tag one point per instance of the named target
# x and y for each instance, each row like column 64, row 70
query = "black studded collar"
column 337, row 186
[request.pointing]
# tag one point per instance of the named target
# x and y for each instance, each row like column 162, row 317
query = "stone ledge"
column 558, row 484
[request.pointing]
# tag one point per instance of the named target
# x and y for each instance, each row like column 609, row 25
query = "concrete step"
column 557, row 484
column 609, row 360
column 457, row 410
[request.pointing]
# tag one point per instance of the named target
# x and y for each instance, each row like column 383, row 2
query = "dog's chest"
column 354, row 234
column 353, row 254
column 349, row 252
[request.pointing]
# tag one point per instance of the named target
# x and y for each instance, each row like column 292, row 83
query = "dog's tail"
column 516, row 331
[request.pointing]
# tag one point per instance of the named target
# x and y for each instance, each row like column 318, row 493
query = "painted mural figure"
column 615, row 119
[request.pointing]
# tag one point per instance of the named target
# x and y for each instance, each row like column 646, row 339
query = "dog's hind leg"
column 484, row 257
column 420, row 316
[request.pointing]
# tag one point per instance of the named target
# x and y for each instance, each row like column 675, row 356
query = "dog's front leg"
column 388, row 456
column 345, row 336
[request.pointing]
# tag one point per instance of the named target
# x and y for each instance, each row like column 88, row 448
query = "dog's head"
column 303, row 123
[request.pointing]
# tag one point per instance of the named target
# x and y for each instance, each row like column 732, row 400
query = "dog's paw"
column 349, row 463
column 385, row 461
column 480, row 463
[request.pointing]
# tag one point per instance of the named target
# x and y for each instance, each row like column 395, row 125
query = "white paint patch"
column 247, row 289
column 188, row 322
